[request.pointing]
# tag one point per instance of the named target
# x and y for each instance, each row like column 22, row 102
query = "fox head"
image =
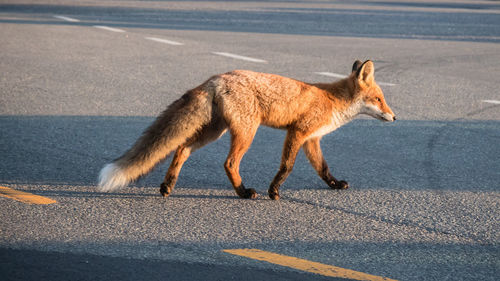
column 369, row 93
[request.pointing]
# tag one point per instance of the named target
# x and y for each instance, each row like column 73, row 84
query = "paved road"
column 425, row 197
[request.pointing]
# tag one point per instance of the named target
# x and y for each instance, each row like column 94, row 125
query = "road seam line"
column 305, row 265
column 25, row 197
column 336, row 75
column 109, row 28
column 66, row 18
column 238, row 57
column 165, row 41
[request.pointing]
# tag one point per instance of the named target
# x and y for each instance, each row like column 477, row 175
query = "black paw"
column 339, row 185
column 274, row 194
column 165, row 190
column 247, row 193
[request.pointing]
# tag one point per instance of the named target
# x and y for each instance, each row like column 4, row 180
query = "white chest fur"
column 337, row 119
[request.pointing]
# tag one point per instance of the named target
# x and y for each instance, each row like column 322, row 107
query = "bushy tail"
column 180, row 121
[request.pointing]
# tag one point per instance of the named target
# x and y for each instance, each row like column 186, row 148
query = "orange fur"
column 240, row 101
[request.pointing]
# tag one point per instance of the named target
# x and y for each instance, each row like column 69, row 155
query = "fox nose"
column 394, row 118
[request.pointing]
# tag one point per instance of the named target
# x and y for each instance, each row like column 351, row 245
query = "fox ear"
column 366, row 72
column 357, row 64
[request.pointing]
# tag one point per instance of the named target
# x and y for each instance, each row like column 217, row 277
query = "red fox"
column 240, row 101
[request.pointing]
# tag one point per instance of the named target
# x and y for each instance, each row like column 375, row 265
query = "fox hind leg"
column 293, row 142
column 240, row 143
column 181, row 155
column 208, row 134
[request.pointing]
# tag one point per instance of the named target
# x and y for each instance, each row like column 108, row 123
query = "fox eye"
column 378, row 99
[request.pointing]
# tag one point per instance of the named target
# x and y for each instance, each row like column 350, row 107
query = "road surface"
column 80, row 82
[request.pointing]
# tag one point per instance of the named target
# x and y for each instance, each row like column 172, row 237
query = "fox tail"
column 179, row 122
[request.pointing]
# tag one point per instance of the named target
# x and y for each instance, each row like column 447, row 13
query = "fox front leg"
column 313, row 152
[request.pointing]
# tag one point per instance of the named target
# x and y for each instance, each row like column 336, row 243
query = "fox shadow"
column 71, row 150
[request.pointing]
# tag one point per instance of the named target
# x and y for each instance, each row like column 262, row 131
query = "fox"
column 239, row 102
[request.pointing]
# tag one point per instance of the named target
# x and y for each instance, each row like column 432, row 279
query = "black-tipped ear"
column 366, row 72
column 357, row 64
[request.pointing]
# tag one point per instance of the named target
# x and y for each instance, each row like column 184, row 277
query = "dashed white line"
column 229, row 55
column 492, row 101
column 336, row 75
column 386, row 84
column 330, row 74
column 238, row 57
column 109, row 28
column 66, row 18
column 165, row 41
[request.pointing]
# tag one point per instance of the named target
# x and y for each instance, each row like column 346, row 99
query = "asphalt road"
column 424, row 198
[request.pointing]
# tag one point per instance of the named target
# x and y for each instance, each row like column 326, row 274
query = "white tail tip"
column 112, row 177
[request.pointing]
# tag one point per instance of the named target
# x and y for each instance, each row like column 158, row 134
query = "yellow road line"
column 305, row 265
column 24, row 196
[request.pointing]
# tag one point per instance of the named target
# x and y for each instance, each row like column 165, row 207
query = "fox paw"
column 274, row 194
column 247, row 193
column 165, row 190
column 339, row 185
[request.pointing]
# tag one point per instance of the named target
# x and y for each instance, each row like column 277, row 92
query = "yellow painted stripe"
column 304, row 265
column 24, row 196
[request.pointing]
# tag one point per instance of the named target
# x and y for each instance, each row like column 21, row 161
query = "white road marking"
column 165, row 41
column 330, row 74
column 492, row 101
column 234, row 56
column 386, row 84
column 66, row 18
column 109, row 28
column 336, row 75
